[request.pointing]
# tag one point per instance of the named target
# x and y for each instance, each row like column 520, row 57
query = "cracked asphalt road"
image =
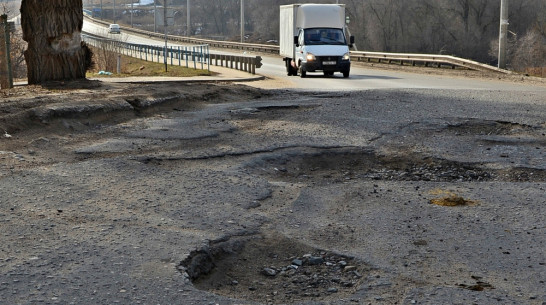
column 103, row 211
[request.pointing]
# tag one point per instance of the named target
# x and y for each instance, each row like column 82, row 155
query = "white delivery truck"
column 313, row 38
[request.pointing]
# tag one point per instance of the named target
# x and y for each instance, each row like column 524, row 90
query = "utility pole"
column 114, row 11
column 503, row 33
column 165, row 27
column 155, row 16
column 188, row 23
column 132, row 2
column 101, row 11
column 242, row 21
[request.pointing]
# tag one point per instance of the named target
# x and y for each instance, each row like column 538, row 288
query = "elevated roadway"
column 361, row 77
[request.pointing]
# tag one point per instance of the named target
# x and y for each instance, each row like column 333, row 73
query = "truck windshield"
column 324, row 36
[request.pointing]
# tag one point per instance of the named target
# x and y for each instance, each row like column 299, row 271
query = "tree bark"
column 55, row 50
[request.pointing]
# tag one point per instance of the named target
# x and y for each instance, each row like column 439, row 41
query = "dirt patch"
column 27, row 107
column 273, row 269
column 449, row 199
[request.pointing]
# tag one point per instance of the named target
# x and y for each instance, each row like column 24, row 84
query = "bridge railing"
column 191, row 57
column 195, row 57
column 425, row 59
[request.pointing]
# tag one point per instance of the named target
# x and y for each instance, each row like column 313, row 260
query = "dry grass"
column 135, row 67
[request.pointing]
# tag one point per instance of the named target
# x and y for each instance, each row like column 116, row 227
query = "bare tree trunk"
column 6, row 79
column 52, row 29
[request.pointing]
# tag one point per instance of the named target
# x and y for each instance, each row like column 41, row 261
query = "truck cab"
column 322, row 49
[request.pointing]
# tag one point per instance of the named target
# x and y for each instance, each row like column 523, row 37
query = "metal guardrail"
column 191, row 56
column 243, row 63
column 426, row 59
column 399, row 58
column 188, row 56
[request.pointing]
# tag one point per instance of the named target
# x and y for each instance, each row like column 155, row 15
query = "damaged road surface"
column 226, row 194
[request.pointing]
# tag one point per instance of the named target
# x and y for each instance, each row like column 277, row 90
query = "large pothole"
column 272, row 269
column 342, row 164
column 487, row 127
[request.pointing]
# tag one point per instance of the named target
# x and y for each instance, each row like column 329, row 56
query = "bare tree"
column 55, row 51
column 530, row 52
column 18, row 46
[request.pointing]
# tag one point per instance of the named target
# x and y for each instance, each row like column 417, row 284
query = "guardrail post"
column 179, row 58
column 193, row 58
column 186, row 54
column 202, row 57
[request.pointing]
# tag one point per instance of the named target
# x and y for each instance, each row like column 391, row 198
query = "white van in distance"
column 114, row 29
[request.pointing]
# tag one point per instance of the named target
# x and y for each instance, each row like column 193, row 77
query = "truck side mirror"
column 296, row 41
column 352, row 40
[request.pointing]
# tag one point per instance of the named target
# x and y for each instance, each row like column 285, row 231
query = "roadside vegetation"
column 105, row 65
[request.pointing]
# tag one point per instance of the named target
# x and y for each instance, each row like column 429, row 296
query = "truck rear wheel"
column 289, row 70
column 294, row 71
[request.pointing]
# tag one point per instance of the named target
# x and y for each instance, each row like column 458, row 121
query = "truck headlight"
column 310, row 57
column 347, row 56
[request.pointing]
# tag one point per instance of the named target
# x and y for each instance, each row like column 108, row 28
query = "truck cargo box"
column 298, row 16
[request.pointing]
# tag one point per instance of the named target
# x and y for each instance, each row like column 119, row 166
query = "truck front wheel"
column 346, row 73
column 303, row 73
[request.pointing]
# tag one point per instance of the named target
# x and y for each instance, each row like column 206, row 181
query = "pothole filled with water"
column 273, row 269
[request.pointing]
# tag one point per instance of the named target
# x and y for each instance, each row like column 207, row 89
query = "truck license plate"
column 328, row 62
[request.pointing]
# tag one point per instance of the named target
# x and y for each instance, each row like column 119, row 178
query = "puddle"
column 272, row 269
